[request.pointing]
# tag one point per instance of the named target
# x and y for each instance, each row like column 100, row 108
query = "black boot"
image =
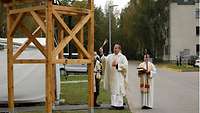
column 95, row 101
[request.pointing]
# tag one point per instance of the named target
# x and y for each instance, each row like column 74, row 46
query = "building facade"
column 183, row 29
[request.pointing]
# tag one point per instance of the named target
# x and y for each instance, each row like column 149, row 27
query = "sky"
column 121, row 3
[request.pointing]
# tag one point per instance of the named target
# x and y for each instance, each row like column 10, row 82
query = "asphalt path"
column 174, row 92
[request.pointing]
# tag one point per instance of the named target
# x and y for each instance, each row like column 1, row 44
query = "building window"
column 197, row 30
column 197, row 49
column 197, row 13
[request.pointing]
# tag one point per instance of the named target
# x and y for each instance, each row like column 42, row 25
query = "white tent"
column 29, row 79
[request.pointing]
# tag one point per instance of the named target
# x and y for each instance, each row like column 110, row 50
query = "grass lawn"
column 183, row 68
column 76, row 93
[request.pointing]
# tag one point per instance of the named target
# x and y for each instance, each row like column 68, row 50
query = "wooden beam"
column 90, row 47
column 81, row 39
column 72, row 32
column 29, row 35
column 68, row 13
column 36, row 32
column 39, row 21
column 16, row 23
column 49, row 50
column 53, row 83
column 53, row 80
column 24, row 10
column 49, row 63
column 61, row 45
column 82, row 48
column 26, row 44
column 73, row 61
column 30, row 61
column 66, row 40
column 40, row 47
column 61, row 21
column 81, row 23
column 71, row 9
column 10, row 78
column 21, row 48
column 91, row 5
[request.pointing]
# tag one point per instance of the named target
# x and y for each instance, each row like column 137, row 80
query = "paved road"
column 174, row 92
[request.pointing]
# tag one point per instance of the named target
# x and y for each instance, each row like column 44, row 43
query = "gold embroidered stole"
column 144, row 80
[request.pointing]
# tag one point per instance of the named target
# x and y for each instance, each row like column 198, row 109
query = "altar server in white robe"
column 115, row 76
column 146, row 71
column 97, row 77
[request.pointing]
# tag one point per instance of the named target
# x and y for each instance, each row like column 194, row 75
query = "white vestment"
column 147, row 97
column 115, row 78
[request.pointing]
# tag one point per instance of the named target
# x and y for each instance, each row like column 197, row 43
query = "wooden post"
column 49, row 66
column 91, row 52
column 10, row 63
column 53, row 80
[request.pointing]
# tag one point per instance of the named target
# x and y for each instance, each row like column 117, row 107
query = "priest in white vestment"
column 115, row 76
column 146, row 71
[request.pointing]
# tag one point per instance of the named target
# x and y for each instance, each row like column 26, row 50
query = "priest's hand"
column 114, row 63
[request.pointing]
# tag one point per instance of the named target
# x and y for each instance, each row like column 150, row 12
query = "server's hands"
column 101, row 51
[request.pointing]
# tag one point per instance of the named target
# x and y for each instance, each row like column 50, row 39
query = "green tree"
column 144, row 24
column 2, row 20
column 100, row 27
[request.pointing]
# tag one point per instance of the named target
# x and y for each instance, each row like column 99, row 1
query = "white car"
column 197, row 62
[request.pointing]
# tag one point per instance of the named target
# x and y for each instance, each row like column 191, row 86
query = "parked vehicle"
column 192, row 60
column 197, row 62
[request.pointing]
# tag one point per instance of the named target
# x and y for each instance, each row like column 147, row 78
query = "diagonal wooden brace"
column 15, row 24
column 33, row 39
column 72, row 34
column 38, row 21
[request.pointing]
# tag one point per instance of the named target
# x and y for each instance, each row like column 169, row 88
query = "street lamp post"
column 110, row 25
